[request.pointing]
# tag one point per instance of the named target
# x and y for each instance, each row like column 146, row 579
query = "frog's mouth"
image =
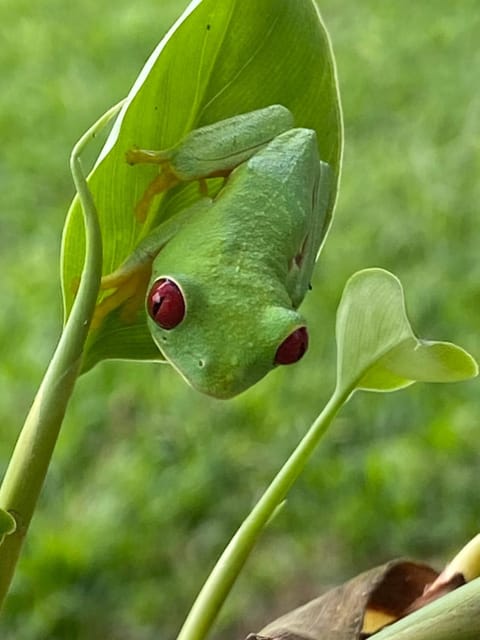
column 219, row 379
column 221, row 382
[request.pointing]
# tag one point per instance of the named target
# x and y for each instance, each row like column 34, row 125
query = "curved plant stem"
column 230, row 563
column 29, row 463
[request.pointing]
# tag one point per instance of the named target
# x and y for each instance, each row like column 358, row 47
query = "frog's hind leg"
column 214, row 150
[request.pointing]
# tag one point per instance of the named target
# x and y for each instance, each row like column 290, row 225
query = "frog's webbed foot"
column 161, row 183
column 129, row 289
column 165, row 180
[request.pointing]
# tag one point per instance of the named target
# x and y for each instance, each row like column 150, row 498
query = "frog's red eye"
column 165, row 304
column 293, row 347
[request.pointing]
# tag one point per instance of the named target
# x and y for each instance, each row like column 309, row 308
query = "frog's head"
column 220, row 347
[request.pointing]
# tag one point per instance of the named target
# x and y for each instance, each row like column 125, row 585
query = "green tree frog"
column 227, row 274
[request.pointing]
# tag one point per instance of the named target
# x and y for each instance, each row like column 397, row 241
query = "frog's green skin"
column 244, row 260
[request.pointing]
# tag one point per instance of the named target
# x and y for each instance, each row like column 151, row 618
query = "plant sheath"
column 30, row 459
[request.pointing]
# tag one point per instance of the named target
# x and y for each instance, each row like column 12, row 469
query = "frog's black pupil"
column 156, row 306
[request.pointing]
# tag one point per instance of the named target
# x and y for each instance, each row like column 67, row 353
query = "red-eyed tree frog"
column 228, row 273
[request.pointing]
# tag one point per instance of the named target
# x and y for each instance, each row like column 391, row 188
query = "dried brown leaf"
column 356, row 609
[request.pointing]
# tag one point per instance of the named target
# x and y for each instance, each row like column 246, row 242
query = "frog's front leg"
column 128, row 291
column 211, row 151
column 125, row 287
column 128, row 283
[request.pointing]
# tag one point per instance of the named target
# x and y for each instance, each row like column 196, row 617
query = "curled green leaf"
column 377, row 349
column 220, row 59
column 7, row 524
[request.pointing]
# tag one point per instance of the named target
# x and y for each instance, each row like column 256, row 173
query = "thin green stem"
column 230, row 563
column 29, row 463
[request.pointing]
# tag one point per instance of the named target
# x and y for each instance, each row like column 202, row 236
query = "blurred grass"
column 149, row 478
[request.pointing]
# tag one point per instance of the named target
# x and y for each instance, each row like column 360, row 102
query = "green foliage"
column 176, row 472
column 222, row 59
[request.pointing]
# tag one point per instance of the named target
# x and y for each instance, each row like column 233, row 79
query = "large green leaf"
column 220, row 59
column 377, row 349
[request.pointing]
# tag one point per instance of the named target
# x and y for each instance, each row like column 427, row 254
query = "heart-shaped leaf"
column 220, row 59
column 377, row 349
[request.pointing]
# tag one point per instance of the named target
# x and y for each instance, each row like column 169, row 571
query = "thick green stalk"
column 29, row 463
column 220, row 581
column 455, row 616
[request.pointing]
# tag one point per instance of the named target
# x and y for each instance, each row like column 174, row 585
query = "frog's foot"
column 128, row 292
column 166, row 179
column 147, row 156
column 162, row 182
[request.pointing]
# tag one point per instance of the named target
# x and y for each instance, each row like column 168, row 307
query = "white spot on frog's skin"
column 229, row 379
column 234, row 361
column 243, row 252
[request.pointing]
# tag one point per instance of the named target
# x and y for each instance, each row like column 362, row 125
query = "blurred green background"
column 150, row 479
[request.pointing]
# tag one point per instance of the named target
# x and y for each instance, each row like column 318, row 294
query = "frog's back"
column 267, row 201
column 259, row 221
